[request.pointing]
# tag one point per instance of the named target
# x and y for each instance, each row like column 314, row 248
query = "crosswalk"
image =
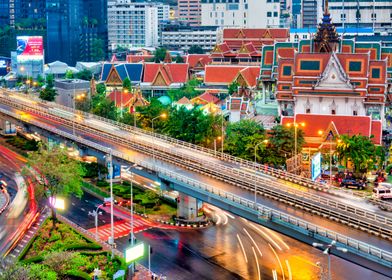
column 121, row 228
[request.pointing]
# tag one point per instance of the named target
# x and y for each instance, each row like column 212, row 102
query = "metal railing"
column 354, row 246
column 272, row 188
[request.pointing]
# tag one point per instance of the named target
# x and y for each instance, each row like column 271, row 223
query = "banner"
column 29, row 48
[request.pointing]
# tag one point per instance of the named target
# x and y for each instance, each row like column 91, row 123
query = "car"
column 352, row 183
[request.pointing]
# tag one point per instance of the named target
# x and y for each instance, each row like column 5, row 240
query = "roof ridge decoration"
column 240, row 34
column 161, row 77
column 334, row 75
column 326, row 38
column 267, row 34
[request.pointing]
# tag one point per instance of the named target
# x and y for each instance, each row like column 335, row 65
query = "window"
column 286, row 70
column 376, row 73
column 374, row 16
column 275, row 14
column 343, row 17
column 333, row 112
column 355, row 113
column 310, row 65
column 305, row 36
column 355, row 66
column 269, row 14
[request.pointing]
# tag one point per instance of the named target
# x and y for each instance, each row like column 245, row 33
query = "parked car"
column 352, row 183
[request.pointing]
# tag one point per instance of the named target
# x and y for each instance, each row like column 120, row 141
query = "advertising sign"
column 116, row 171
column 29, row 48
column 316, row 166
column 134, row 253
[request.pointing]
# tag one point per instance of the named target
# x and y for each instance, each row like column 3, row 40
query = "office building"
column 134, row 24
column 311, row 12
column 189, row 11
column 241, row 13
column 15, row 11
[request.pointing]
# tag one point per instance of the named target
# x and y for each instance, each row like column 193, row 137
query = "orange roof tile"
column 184, row 101
column 194, row 59
column 225, row 74
column 208, row 97
column 172, row 72
column 120, row 98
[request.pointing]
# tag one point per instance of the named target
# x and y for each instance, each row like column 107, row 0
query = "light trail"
column 253, row 241
column 257, row 263
column 274, row 274
column 242, row 247
column 278, row 237
column 277, row 257
column 266, row 236
column 289, row 269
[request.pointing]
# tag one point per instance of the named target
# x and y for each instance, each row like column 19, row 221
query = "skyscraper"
column 189, row 11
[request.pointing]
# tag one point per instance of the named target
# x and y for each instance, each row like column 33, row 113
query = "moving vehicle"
column 383, row 191
column 352, row 183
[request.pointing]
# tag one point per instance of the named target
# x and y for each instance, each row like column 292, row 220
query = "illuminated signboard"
column 134, row 253
column 316, row 166
column 29, row 48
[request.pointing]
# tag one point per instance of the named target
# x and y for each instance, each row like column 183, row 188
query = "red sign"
column 29, row 48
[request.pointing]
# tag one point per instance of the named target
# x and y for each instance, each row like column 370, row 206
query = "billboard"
column 316, row 166
column 29, row 48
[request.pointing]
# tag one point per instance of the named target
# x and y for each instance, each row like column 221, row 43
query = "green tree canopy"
column 233, row 87
column 195, row 49
column 127, row 84
column 147, row 113
column 85, row 74
column 101, row 89
column 97, row 49
column 188, row 90
column 179, row 59
column 242, row 137
column 159, row 55
column 69, row 74
column 103, row 106
column 48, row 93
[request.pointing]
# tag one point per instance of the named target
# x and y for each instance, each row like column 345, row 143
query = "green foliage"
column 188, row 90
column 159, row 55
column 101, row 89
column 127, row 84
column 85, row 74
column 69, row 74
column 103, row 106
column 361, row 152
column 93, row 169
column 59, row 173
column 179, row 59
column 128, row 118
column 97, row 49
column 242, row 137
column 48, row 93
column 82, row 246
column 22, row 143
column 195, row 49
column 233, row 88
column 146, row 114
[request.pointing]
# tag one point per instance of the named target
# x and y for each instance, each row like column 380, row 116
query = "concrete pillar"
column 7, row 128
column 188, row 208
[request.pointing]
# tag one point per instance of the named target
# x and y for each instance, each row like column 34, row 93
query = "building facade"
column 368, row 13
column 189, row 11
column 134, row 24
column 241, row 13
column 184, row 37
column 13, row 11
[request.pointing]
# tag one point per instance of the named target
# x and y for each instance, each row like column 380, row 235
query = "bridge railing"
column 275, row 188
column 353, row 245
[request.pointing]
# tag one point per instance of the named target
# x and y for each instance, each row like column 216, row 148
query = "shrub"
column 90, row 246
column 102, row 183
column 35, row 259
column 76, row 274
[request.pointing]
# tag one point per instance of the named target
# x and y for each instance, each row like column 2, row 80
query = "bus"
column 383, row 191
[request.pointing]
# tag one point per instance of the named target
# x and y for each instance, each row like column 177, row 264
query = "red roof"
column 349, row 125
column 172, row 72
column 120, row 98
column 236, row 37
column 194, row 59
column 131, row 58
column 208, row 97
column 225, row 74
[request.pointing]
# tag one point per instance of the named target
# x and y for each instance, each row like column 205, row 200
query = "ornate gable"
column 241, row 80
column 334, row 76
column 113, row 77
column 267, row 34
column 240, row 34
column 217, row 49
column 159, row 79
column 330, row 133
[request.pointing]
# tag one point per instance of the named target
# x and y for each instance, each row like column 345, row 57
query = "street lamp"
column 74, row 98
column 95, row 214
column 163, row 116
column 263, row 142
column 320, row 132
column 219, row 138
column 296, row 125
column 327, row 251
column 111, row 239
column 121, row 101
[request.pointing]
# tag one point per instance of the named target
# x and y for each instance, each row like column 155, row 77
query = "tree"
column 48, row 93
column 195, row 49
column 188, row 90
column 58, row 174
column 159, row 55
column 69, row 74
column 147, row 113
column 127, row 84
column 85, row 74
column 101, row 89
column 179, row 59
column 233, row 88
column 97, row 50
column 104, row 107
column 242, row 137
column 60, row 262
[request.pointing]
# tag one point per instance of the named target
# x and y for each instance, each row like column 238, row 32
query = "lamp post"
column 223, row 137
column 320, row 132
column 74, row 98
column 327, row 251
column 163, row 115
column 121, row 107
column 218, row 138
column 95, row 214
column 263, row 142
column 111, row 239
column 296, row 125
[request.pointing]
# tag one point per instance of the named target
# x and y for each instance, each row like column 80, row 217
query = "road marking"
column 257, row 247
column 257, row 263
column 242, row 247
column 289, row 269
column 277, row 257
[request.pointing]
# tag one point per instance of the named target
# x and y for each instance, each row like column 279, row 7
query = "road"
column 15, row 220
column 215, row 252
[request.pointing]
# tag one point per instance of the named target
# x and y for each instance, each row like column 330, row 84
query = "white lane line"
column 257, row 263
column 254, row 242
column 289, row 269
column 266, row 236
column 242, row 247
column 277, row 257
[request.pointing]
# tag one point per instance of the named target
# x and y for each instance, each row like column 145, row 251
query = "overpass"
column 132, row 145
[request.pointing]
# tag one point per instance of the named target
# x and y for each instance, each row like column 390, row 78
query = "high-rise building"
column 363, row 13
column 15, row 11
column 241, row 13
column 311, row 12
column 189, row 11
column 76, row 30
column 134, row 24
